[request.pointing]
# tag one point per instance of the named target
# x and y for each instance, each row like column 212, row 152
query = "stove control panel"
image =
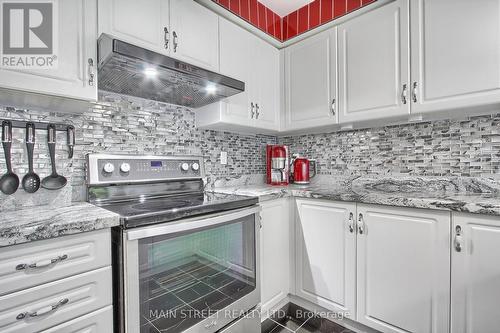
column 116, row 169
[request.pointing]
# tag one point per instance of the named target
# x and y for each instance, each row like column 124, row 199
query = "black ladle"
column 31, row 181
column 9, row 183
column 53, row 181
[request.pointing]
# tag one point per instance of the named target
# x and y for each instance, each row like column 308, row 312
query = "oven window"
column 186, row 277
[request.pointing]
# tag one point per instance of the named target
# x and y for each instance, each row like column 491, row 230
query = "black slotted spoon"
column 53, row 181
column 31, row 181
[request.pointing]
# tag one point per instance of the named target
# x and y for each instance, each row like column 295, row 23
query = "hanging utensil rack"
column 38, row 125
column 70, row 129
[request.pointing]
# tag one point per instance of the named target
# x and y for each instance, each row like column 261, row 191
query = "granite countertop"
column 470, row 195
column 43, row 222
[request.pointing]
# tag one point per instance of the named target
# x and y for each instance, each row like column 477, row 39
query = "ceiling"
column 284, row 7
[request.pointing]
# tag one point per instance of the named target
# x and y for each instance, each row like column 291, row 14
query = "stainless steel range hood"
column 131, row 70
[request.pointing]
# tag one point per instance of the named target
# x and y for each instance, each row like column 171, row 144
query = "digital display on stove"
column 156, row 164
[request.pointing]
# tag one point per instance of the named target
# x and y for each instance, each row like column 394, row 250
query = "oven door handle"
column 189, row 224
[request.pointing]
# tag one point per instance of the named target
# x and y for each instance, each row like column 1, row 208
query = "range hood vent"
column 131, row 70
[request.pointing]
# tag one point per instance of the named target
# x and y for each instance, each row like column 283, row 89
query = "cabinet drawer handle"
column 458, row 239
column 91, row 72
column 415, row 92
column 42, row 264
column 257, row 113
column 404, row 94
column 333, row 106
column 361, row 224
column 350, row 223
column 166, row 37
column 42, row 311
column 252, row 110
column 176, row 43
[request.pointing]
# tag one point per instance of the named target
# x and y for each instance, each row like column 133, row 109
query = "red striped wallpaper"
column 304, row 19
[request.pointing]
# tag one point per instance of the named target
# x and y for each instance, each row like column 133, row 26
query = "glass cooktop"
column 142, row 212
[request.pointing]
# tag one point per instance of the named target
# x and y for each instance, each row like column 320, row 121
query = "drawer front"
column 28, row 265
column 54, row 303
column 100, row 321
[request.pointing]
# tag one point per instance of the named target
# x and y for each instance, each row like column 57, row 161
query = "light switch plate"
column 223, row 157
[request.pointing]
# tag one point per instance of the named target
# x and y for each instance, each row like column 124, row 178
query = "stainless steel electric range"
column 184, row 260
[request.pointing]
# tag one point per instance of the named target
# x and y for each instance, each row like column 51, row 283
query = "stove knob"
column 109, row 168
column 184, row 167
column 195, row 166
column 125, row 167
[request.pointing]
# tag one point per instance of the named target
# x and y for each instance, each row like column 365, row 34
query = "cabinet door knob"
column 404, row 94
column 91, row 71
column 350, row 223
column 257, row 113
column 166, row 37
column 176, row 43
column 252, row 110
column 458, row 239
column 415, row 92
column 361, row 224
column 333, row 106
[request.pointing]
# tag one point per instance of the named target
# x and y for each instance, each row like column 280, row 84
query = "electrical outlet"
column 223, row 157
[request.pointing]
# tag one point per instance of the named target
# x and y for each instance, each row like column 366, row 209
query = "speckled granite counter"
column 471, row 195
column 43, row 222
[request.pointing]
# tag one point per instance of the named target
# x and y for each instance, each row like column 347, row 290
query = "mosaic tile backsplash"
column 468, row 148
column 127, row 126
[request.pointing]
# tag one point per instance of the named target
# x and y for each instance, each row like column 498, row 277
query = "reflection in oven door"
column 184, row 279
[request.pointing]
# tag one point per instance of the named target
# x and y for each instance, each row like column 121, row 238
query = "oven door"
column 193, row 275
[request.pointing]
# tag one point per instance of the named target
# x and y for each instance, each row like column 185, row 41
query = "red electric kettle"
column 303, row 170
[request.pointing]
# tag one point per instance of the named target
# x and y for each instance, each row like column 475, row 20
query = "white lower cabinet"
column 475, row 278
column 275, row 253
column 57, row 285
column 326, row 253
column 385, row 267
column 54, row 303
column 403, row 269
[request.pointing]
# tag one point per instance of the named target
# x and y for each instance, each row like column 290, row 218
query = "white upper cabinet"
column 181, row 29
column 326, row 254
column 475, row 278
column 76, row 72
column 403, row 269
column 194, row 34
column 142, row 23
column 265, row 84
column 247, row 58
column 455, row 54
column 374, row 64
column 311, row 82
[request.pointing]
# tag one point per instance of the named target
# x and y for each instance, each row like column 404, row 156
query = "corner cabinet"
column 455, row 54
column 245, row 57
column 475, row 278
column 326, row 254
column 76, row 73
column 275, row 253
column 311, row 82
column 403, row 269
column 374, row 71
column 181, row 29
